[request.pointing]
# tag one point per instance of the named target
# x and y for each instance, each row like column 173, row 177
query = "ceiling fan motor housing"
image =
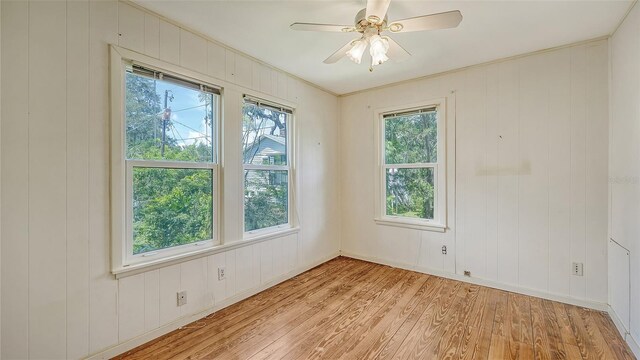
column 361, row 22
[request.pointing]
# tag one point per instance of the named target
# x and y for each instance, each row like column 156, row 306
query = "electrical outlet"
column 221, row 273
column 467, row 273
column 577, row 269
column 444, row 249
column 182, row 298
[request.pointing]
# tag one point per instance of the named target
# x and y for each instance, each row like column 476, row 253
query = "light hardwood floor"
column 351, row 309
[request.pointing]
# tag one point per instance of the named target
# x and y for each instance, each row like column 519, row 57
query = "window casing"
column 267, row 167
column 411, row 171
column 165, row 167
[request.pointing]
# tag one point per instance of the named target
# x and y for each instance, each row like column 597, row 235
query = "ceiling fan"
column 371, row 22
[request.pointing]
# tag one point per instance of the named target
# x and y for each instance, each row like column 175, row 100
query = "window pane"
column 171, row 207
column 411, row 138
column 166, row 121
column 410, row 192
column 266, row 198
column 264, row 136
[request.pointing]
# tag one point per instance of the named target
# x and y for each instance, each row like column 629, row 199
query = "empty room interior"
column 304, row 179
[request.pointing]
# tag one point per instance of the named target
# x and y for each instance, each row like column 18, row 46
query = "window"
column 267, row 166
column 412, row 167
column 168, row 164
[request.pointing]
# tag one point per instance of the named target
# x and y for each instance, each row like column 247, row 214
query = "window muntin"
column 171, row 164
column 266, row 165
column 410, row 164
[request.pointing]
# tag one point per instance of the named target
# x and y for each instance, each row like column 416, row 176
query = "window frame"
column 439, row 221
column 122, row 257
column 291, row 223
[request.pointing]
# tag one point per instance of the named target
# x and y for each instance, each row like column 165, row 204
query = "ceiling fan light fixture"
column 357, row 50
column 378, row 50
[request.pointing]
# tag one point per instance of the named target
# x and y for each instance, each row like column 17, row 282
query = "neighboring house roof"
column 279, row 139
column 266, row 145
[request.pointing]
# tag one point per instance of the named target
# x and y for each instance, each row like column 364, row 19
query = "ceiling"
column 490, row 30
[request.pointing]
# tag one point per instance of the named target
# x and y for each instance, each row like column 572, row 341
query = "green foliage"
column 266, row 191
column 266, row 200
column 171, row 207
column 410, row 139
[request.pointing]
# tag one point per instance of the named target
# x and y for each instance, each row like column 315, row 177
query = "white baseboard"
column 626, row 335
column 488, row 283
column 617, row 322
column 165, row 329
column 633, row 344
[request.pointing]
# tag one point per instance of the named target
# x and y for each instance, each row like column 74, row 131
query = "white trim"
column 617, row 322
column 634, row 344
column 482, row 282
column 626, row 335
column 131, row 270
column 439, row 222
column 418, row 224
column 167, row 328
column 289, row 168
column 122, row 258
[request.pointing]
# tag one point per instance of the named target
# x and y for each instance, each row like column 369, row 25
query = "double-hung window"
column 266, row 154
column 167, row 171
column 412, row 167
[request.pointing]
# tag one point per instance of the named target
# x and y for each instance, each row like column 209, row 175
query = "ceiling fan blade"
column 445, row 20
column 377, row 10
column 342, row 52
column 321, row 27
column 396, row 51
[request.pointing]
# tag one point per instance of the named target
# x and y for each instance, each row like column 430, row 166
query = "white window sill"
column 134, row 269
column 411, row 224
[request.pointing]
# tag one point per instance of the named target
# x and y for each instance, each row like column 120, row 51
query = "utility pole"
column 165, row 118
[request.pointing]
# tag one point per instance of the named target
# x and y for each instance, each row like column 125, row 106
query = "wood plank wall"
column 59, row 299
column 527, row 142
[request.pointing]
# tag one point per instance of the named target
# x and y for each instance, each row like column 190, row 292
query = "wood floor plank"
column 351, row 309
column 241, row 330
column 365, row 328
column 397, row 326
column 299, row 336
column 247, row 310
column 422, row 342
column 253, row 303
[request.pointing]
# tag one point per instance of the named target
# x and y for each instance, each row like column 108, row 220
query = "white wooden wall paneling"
column 131, row 28
column 77, row 176
column 47, row 174
column 560, row 174
column 103, row 316
column 151, row 35
column 534, row 186
column 58, row 180
column 522, row 213
column 152, row 300
column 231, row 275
column 193, row 51
column 597, row 177
column 471, row 173
column 131, row 307
column 169, row 287
column 216, row 60
column 578, row 165
column 15, row 190
column 193, row 280
column 230, row 65
column 624, row 226
column 243, row 71
column 510, row 168
column 216, row 287
column 492, row 139
column 169, row 42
